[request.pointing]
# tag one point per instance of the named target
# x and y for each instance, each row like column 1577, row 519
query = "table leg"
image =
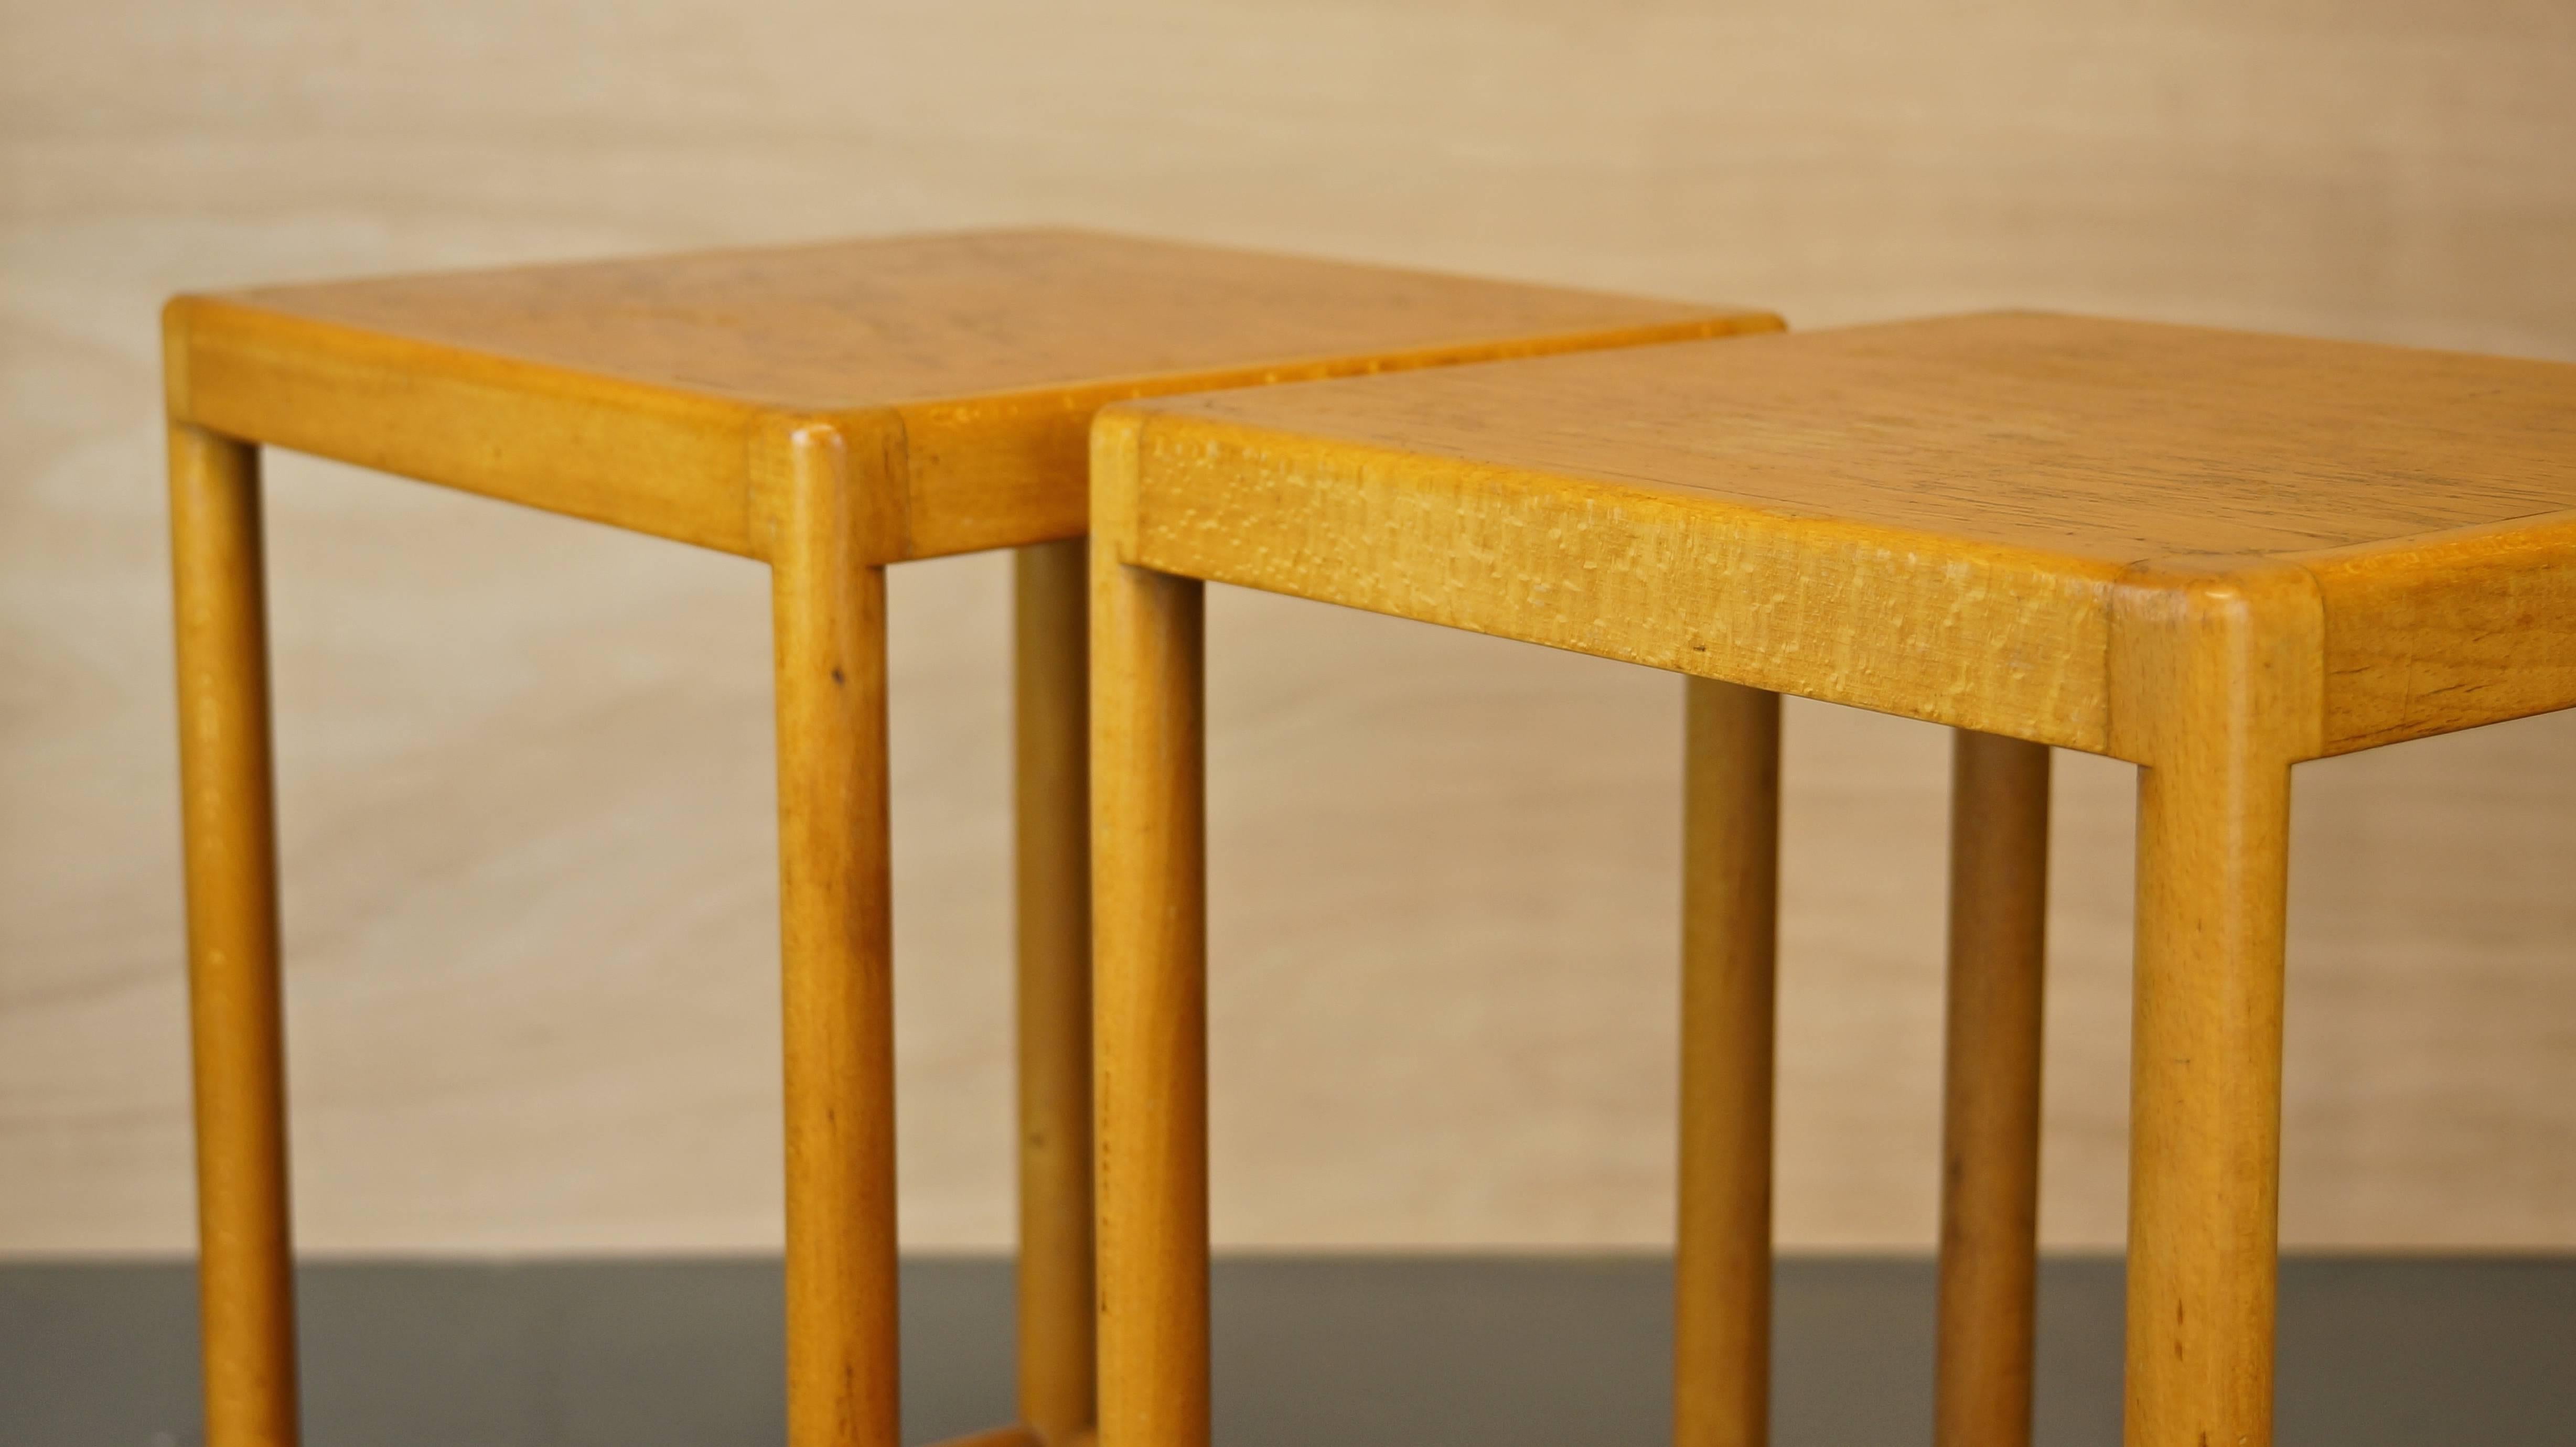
column 1722, row 1251
column 2205, row 1104
column 246, row 1285
column 1150, row 983
column 1991, row 1091
column 1051, row 716
column 828, row 617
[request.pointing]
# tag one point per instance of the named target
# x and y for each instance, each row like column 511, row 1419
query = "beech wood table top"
column 1979, row 520
column 960, row 370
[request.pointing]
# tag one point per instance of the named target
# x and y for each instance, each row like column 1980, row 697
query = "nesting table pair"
column 2210, row 554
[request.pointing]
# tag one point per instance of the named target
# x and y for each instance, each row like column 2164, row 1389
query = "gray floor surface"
column 1350, row 1351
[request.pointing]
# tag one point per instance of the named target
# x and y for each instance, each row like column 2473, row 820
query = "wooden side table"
column 828, row 410
column 2210, row 554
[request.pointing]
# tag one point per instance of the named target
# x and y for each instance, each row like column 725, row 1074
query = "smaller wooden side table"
column 2207, row 553
column 828, row 410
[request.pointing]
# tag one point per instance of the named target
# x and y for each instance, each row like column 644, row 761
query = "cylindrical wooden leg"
column 1053, row 749
column 245, row 1274
column 2205, row 1100
column 1990, row 1091
column 1730, row 883
column 1150, row 1004
column 828, row 613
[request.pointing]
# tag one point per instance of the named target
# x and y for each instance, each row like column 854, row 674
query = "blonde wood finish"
column 2222, row 677
column 660, row 460
column 1732, row 520
column 832, row 409
column 1149, row 902
column 1730, row 914
column 2211, row 554
column 836, row 961
column 2448, row 631
column 1991, row 1092
column 1052, row 827
column 2388, row 170
column 627, row 392
column 246, row 1284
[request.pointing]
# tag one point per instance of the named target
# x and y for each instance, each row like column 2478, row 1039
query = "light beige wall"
column 525, row 762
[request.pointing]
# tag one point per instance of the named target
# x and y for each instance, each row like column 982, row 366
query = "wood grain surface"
column 2072, row 438
column 1962, row 519
column 1730, row 1012
column 939, row 318
column 1991, row 1091
column 525, row 764
column 632, row 392
column 827, row 409
column 1827, row 515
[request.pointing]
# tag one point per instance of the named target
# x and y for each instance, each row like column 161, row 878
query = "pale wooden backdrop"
column 526, row 761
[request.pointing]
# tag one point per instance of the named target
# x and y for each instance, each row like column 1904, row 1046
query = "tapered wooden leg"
column 1057, row 1354
column 1991, row 1091
column 828, row 612
column 1722, row 1256
column 245, row 1276
column 1150, row 1004
column 2205, row 1104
